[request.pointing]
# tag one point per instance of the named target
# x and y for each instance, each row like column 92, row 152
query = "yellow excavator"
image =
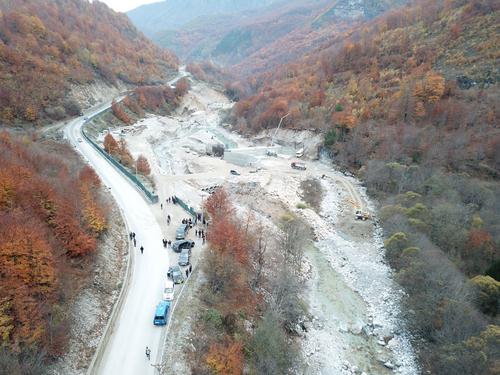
column 362, row 215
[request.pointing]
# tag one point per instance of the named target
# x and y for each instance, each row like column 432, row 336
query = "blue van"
column 161, row 313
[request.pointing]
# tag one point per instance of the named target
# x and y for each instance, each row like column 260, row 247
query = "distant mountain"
column 355, row 9
column 49, row 46
column 227, row 33
column 173, row 14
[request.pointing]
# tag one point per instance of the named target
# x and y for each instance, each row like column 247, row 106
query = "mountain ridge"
column 48, row 47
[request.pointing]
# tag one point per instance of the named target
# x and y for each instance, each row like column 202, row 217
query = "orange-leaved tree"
column 143, row 166
column 119, row 112
column 226, row 358
column 110, row 144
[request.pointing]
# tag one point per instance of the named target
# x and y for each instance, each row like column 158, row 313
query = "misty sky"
column 126, row 5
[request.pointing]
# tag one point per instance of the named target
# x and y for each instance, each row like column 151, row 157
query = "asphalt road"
column 134, row 330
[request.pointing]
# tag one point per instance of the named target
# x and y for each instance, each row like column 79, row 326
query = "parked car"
column 298, row 165
column 234, row 173
column 177, row 246
column 168, row 290
column 185, row 257
column 161, row 313
column 175, row 274
column 181, row 232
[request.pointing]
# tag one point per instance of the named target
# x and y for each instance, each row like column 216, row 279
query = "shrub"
column 488, row 290
column 213, row 317
column 72, row 107
column 271, row 353
column 301, row 205
column 394, row 244
column 330, row 137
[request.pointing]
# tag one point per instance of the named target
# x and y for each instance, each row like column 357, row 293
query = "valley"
column 262, row 187
column 353, row 324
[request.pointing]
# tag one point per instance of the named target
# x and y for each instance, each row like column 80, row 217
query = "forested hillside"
column 173, row 14
column 409, row 101
column 258, row 31
column 51, row 215
column 46, row 46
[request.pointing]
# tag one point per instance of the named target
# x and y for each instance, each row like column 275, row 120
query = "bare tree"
column 258, row 254
column 292, row 240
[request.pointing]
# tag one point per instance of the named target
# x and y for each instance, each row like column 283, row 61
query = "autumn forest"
column 406, row 101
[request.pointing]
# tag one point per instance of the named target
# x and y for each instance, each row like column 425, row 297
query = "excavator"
column 362, row 215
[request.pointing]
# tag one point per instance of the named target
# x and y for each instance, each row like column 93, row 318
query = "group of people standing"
column 200, row 233
column 132, row 238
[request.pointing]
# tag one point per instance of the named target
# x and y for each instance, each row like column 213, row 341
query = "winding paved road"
column 133, row 330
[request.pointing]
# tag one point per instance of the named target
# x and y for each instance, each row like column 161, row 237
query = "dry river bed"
column 352, row 300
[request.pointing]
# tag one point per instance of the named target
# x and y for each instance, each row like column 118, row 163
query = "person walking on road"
column 148, row 353
column 161, row 206
column 135, row 242
column 190, row 268
column 142, row 249
column 187, row 273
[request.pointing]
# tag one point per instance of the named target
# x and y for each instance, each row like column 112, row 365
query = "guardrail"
column 153, row 198
column 187, row 207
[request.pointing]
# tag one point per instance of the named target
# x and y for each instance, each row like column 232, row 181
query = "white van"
column 168, row 291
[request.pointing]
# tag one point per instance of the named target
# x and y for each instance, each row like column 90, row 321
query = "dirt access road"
column 354, row 304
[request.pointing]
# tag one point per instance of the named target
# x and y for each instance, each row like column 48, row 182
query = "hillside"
column 409, row 101
column 52, row 215
column 260, row 33
column 173, row 14
column 48, row 46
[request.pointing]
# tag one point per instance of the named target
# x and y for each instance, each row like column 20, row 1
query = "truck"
column 298, row 165
column 215, row 149
column 161, row 313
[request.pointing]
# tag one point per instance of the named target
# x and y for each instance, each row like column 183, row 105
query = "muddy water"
column 339, row 317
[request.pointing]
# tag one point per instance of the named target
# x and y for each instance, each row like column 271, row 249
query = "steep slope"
column 409, row 100
column 172, row 14
column 45, row 46
column 52, row 214
column 301, row 25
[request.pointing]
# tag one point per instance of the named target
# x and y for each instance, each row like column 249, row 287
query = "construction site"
column 353, row 325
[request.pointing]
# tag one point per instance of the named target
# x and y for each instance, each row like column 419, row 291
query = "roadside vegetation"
column 248, row 319
column 52, row 215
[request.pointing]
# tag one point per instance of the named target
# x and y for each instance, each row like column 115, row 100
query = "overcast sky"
column 126, row 5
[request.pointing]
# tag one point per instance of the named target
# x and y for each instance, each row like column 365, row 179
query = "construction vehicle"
column 361, row 215
column 298, row 165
